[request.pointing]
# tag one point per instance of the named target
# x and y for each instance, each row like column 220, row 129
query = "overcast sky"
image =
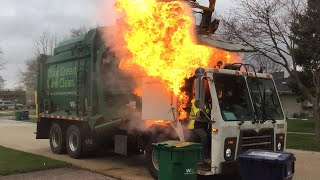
column 22, row 22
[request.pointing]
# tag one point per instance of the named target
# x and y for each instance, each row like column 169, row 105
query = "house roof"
column 281, row 82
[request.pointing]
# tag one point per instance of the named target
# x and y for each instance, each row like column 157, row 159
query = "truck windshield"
column 265, row 99
column 233, row 97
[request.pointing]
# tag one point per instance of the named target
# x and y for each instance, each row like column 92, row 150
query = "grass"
column 304, row 126
column 6, row 113
column 302, row 142
column 13, row 162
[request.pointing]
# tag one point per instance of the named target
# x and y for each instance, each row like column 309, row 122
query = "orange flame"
column 138, row 92
column 158, row 40
column 149, row 123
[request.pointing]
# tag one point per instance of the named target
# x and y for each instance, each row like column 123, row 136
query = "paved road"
column 58, row 174
column 20, row 135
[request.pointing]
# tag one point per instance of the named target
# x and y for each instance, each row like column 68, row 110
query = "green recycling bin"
column 22, row 115
column 177, row 160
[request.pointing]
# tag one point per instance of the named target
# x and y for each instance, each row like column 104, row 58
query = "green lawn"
column 13, row 161
column 6, row 113
column 304, row 126
column 302, row 142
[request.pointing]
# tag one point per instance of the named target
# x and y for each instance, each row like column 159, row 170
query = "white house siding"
column 290, row 105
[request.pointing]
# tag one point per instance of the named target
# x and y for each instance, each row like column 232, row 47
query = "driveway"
column 20, row 135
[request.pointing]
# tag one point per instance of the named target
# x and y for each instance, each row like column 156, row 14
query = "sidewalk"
column 301, row 133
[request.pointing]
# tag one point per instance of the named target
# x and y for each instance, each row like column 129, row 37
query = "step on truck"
column 85, row 102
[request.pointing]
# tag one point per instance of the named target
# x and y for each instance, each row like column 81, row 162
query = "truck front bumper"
column 230, row 167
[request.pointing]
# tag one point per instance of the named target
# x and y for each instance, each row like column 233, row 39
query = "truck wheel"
column 57, row 140
column 3, row 108
column 74, row 142
column 152, row 161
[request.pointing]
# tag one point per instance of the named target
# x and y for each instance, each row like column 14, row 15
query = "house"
column 14, row 96
column 291, row 107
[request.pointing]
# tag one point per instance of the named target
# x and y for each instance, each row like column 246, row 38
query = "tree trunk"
column 316, row 114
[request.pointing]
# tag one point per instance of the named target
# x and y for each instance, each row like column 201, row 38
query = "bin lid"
column 177, row 145
column 265, row 155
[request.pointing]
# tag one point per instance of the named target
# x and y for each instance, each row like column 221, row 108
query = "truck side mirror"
column 199, row 93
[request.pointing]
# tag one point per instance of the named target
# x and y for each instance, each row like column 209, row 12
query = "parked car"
column 10, row 105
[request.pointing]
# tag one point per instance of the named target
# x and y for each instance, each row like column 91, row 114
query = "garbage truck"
column 84, row 102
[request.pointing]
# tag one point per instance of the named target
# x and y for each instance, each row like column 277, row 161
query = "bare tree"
column 19, row 87
column 2, row 83
column 266, row 25
column 2, row 61
column 79, row 31
column 2, row 64
column 29, row 74
column 45, row 44
column 260, row 61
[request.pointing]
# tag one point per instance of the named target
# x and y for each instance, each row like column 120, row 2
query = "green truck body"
column 81, row 81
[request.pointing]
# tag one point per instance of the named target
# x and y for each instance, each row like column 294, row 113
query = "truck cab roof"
column 236, row 72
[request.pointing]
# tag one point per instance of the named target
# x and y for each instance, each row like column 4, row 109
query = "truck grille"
column 250, row 139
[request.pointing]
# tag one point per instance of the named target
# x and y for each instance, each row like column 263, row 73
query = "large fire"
column 160, row 40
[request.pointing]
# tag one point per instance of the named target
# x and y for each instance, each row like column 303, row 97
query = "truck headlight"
column 228, row 153
column 280, row 140
column 279, row 146
column 230, row 148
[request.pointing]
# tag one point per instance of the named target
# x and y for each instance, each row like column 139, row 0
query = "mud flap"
column 120, row 144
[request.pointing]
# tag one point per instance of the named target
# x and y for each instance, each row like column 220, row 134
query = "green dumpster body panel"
column 22, row 115
column 178, row 160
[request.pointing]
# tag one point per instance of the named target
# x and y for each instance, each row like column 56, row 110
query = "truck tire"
column 74, row 142
column 57, row 139
column 152, row 162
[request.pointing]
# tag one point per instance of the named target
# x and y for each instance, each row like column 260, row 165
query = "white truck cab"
column 245, row 113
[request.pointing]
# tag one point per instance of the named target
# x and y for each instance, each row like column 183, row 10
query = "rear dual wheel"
column 71, row 141
column 74, row 141
column 57, row 140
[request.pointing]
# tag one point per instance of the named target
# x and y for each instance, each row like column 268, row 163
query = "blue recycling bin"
column 266, row 165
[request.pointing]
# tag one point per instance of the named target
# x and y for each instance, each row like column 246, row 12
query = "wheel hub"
column 73, row 141
column 55, row 139
column 155, row 161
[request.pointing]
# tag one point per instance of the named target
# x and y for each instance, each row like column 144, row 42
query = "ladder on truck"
column 80, row 81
